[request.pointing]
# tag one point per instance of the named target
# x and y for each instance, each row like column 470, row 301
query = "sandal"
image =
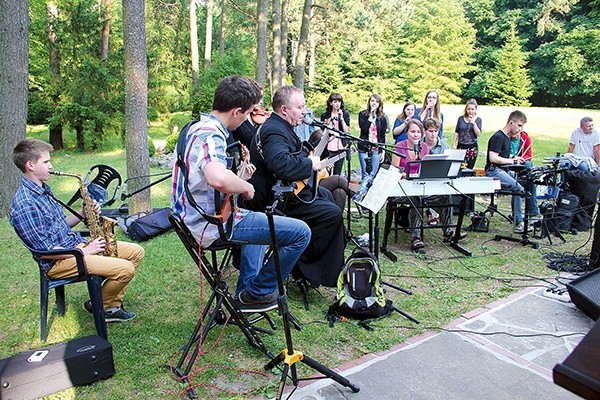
column 416, row 244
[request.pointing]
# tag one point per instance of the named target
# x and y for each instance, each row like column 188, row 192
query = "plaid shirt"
column 206, row 142
column 40, row 221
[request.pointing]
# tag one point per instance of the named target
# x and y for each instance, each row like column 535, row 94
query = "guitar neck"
column 332, row 160
column 322, row 144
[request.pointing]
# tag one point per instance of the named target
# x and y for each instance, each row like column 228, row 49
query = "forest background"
column 70, row 65
column 79, row 59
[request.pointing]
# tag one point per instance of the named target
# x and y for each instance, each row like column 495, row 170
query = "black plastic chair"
column 94, row 284
column 396, row 218
column 99, row 185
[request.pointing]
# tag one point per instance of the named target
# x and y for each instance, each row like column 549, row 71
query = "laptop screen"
column 439, row 166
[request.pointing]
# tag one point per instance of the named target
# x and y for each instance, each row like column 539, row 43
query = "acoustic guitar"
column 317, row 176
column 229, row 207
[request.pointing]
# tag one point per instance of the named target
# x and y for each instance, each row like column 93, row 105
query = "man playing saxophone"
column 41, row 223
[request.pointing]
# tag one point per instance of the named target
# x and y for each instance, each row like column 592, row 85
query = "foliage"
column 435, row 51
column 566, row 70
column 151, row 148
column 508, row 82
column 89, row 94
column 233, row 62
column 171, row 142
column 166, row 293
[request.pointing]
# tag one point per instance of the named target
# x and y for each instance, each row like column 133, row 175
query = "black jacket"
column 278, row 154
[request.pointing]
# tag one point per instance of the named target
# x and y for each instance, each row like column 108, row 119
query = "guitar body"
column 316, row 177
column 228, row 207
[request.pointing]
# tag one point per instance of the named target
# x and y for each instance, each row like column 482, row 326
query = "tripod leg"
column 329, row 373
column 406, row 315
column 284, row 374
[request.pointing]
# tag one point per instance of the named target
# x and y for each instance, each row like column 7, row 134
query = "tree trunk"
column 208, row 34
column 79, row 138
column 311, row 61
column 136, row 103
column 55, row 137
column 284, row 41
column 223, row 26
column 195, row 54
column 276, row 31
column 262, row 8
column 105, row 18
column 300, row 67
column 14, row 70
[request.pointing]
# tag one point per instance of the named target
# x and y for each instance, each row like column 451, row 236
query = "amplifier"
column 585, row 293
column 38, row 373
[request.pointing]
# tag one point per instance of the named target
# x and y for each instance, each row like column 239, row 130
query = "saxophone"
column 99, row 226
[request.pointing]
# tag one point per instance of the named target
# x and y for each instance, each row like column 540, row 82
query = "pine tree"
column 509, row 82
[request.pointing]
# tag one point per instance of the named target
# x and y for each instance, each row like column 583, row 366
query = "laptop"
column 439, row 166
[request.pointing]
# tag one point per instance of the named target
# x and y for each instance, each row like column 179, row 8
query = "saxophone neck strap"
column 68, row 207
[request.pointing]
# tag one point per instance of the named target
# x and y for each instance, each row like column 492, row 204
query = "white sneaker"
column 520, row 228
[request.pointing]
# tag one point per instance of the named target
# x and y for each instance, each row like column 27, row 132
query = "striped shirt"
column 205, row 142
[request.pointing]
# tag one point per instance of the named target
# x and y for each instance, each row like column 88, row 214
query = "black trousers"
column 323, row 259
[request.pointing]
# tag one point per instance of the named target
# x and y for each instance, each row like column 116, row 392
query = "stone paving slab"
column 479, row 364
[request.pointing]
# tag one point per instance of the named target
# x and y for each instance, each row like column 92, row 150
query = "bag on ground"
column 146, row 225
column 359, row 293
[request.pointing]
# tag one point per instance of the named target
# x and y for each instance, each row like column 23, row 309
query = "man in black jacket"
column 278, row 154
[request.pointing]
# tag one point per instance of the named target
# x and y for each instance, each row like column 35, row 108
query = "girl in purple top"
column 414, row 148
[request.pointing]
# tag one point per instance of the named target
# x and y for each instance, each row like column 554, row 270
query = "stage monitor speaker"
column 585, row 293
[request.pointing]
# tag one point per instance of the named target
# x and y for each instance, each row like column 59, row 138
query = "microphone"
column 311, row 121
column 417, row 148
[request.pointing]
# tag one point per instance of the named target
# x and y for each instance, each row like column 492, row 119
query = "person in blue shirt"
column 431, row 109
column 402, row 120
column 42, row 225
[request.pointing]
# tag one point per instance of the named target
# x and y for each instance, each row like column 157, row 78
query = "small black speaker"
column 585, row 293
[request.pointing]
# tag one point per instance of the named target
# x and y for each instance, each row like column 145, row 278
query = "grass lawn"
column 167, row 289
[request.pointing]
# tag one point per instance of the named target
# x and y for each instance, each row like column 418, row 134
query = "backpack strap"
column 180, row 148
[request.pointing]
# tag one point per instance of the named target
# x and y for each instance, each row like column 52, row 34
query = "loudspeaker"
column 585, row 293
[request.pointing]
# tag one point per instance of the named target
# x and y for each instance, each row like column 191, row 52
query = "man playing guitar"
column 202, row 169
column 278, row 154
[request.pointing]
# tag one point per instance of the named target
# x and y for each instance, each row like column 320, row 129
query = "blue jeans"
column 508, row 180
column 292, row 237
column 362, row 155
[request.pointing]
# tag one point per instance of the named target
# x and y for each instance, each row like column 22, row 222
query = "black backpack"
column 360, row 294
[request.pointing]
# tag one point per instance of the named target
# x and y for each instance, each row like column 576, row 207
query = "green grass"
column 166, row 290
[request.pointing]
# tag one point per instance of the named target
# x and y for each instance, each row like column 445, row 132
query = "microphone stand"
column 373, row 229
column 374, row 226
column 288, row 356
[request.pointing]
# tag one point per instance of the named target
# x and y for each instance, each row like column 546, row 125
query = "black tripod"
column 288, row 356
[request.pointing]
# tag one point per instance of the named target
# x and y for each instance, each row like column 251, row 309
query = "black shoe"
column 87, row 306
column 117, row 314
column 249, row 303
column 450, row 234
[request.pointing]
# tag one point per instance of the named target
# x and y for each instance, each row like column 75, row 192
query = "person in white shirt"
column 585, row 142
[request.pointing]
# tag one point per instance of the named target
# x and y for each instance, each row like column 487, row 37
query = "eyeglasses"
column 432, row 97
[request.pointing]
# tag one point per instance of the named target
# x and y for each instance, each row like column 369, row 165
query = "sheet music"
column 454, row 169
column 383, row 185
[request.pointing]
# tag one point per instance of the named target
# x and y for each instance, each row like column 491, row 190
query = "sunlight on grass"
column 166, row 289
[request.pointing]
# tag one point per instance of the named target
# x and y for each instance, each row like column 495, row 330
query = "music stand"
column 288, row 356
